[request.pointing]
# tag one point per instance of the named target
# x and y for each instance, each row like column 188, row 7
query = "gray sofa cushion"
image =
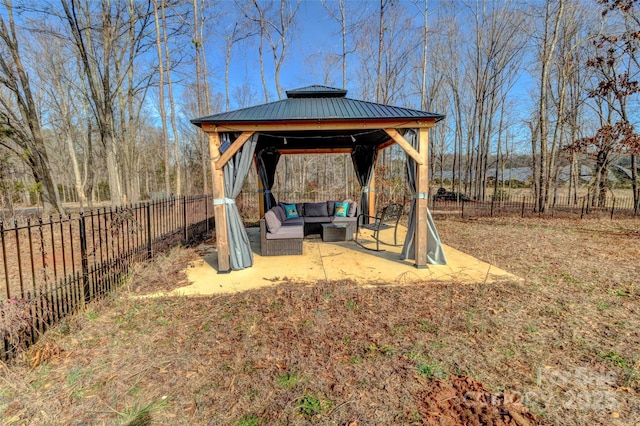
column 286, row 232
column 294, row 222
column 331, row 205
column 279, row 211
column 315, row 210
column 273, row 223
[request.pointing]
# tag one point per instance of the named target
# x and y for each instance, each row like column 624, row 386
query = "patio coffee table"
column 332, row 232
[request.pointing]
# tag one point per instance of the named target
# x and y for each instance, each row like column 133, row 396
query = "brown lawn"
column 559, row 347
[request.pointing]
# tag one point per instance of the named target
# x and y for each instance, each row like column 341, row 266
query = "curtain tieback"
column 367, row 189
column 264, row 191
column 421, row 195
column 221, row 201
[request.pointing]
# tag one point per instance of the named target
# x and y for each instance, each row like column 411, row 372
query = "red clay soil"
column 463, row 401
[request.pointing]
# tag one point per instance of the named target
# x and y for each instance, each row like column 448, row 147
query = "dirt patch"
column 464, row 401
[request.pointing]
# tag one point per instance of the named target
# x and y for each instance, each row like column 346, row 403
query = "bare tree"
column 275, row 27
column 240, row 31
column 614, row 64
column 107, row 50
column 493, row 61
column 161, row 102
column 202, row 91
column 552, row 19
column 618, row 64
column 20, row 114
column 172, row 104
column 341, row 18
column 58, row 85
column 245, row 95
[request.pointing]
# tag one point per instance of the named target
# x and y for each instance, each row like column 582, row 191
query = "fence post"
column 206, row 213
column 4, row 259
column 523, row 198
column 462, row 212
column 149, row 247
column 184, row 215
column 18, row 251
column 493, row 199
column 84, row 259
column 613, row 207
column 582, row 210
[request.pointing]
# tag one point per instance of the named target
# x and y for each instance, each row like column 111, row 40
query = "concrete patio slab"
column 334, row 261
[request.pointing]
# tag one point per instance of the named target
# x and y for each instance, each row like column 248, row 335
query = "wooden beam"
column 372, row 192
column 316, row 151
column 386, row 144
column 404, row 144
column 422, row 191
column 235, row 147
column 219, row 211
column 295, row 126
column 261, row 205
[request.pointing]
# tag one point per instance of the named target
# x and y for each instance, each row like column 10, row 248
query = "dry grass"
column 563, row 341
column 164, row 274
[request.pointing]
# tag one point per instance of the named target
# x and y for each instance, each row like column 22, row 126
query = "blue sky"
column 312, row 32
column 316, row 32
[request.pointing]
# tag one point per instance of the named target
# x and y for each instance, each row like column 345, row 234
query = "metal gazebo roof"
column 316, row 103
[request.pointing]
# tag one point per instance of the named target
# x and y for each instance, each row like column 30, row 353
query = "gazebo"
column 316, row 120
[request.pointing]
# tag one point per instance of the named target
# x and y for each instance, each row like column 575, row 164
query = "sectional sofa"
column 284, row 226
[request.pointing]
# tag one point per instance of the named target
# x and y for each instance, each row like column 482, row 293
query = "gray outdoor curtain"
column 364, row 160
column 435, row 253
column 267, row 160
column 235, row 172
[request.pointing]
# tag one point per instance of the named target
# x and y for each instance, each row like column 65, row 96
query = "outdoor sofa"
column 284, row 226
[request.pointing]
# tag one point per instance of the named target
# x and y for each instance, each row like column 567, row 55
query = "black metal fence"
column 52, row 267
column 560, row 206
column 526, row 206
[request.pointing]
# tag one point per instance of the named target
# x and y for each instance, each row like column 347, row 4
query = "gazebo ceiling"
column 308, row 111
column 321, row 139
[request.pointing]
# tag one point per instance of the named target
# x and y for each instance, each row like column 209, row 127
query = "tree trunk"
column 381, row 30
column 547, row 54
column 634, row 185
column 28, row 133
column 76, row 170
column 172, row 105
column 425, row 50
column 163, row 113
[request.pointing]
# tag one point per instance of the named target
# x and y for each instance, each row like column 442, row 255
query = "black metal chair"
column 387, row 218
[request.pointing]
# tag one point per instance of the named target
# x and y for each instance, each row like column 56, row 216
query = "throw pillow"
column 299, row 207
column 341, row 209
column 273, row 224
column 279, row 211
column 353, row 208
column 331, row 205
column 290, row 211
column 315, row 210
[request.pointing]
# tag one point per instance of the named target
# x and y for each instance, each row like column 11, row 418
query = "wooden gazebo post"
column 422, row 201
column 219, row 211
column 420, row 156
column 372, row 192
